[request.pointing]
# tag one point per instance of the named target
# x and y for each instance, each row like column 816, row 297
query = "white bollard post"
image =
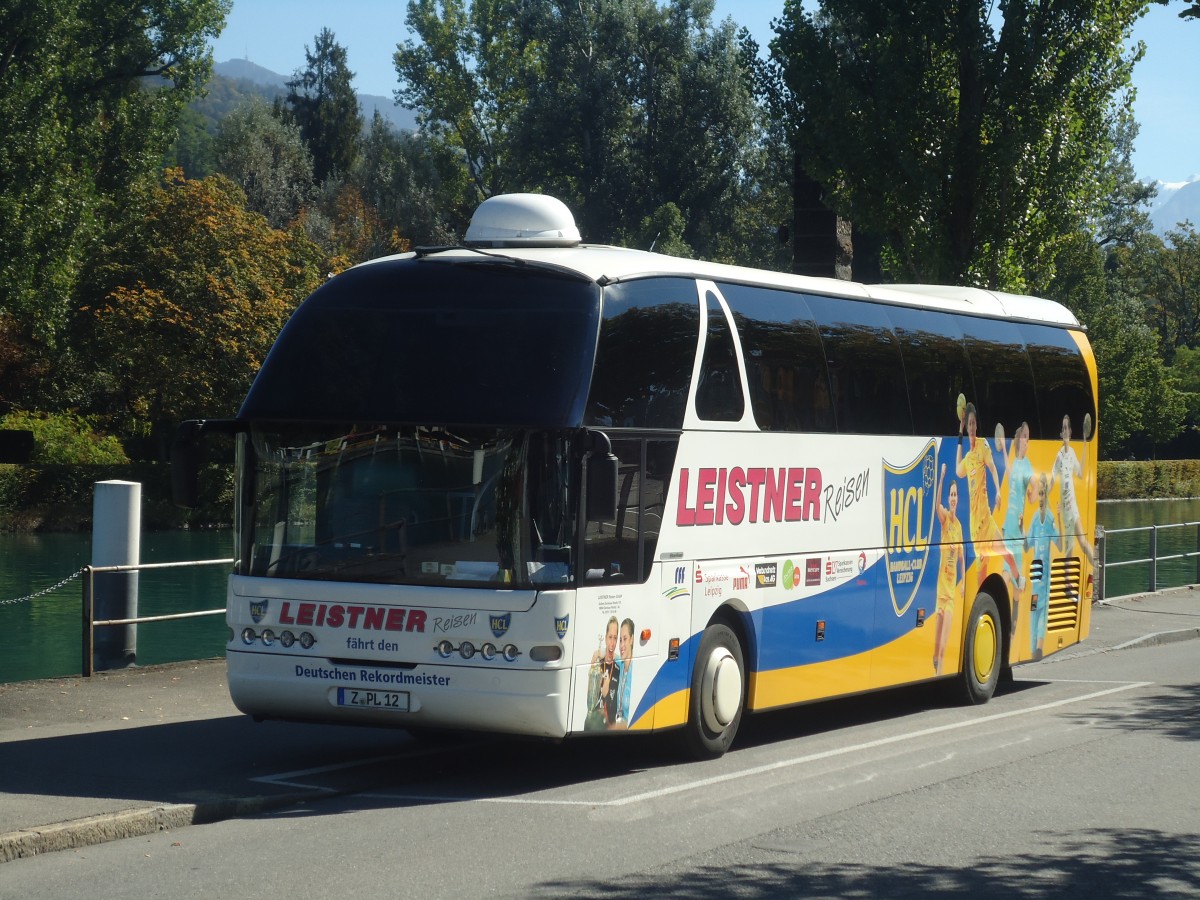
column 116, row 541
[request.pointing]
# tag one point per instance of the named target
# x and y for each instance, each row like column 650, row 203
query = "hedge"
column 1149, row 480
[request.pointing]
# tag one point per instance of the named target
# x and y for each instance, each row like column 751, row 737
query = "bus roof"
column 540, row 230
column 607, row 265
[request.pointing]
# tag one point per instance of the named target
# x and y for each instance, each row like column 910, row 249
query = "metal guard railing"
column 1152, row 559
column 90, row 623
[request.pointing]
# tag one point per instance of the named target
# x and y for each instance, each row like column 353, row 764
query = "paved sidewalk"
column 120, row 754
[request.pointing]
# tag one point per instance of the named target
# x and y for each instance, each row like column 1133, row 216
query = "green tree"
column 189, row 303
column 1165, row 275
column 267, row 159
column 467, row 77
column 1139, row 395
column 618, row 108
column 970, row 143
column 413, row 181
column 322, row 102
column 1124, row 215
column 89, row 96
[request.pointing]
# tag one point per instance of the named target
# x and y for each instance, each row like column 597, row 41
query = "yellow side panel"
column 666, row 713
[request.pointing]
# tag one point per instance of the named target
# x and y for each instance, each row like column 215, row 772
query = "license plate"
column 397, row 701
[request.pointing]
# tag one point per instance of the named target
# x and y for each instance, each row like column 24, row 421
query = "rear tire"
column 983, row 644
column 718, row 694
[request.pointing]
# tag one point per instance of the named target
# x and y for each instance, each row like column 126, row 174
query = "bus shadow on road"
column 879, row 706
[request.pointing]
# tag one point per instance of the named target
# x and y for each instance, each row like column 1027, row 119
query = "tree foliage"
column 1140, row 402
column 413, row 181
column 321, row 101
column 267, row 159
column 191, row 300
column 619, row 108
column 970, row 142
column 89, row 94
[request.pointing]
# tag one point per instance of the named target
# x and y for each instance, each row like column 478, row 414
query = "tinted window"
column 935, row 362
column 624, row 549
column 1064, row 387
column 1004, row 391
column 719, row 395
column 429, row 341
column 866, row 373
column 785, row 365
column 644, row 359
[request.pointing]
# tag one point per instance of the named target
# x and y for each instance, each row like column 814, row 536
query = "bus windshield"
column 407, row 505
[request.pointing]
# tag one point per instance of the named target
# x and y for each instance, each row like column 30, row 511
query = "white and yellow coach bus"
column 533, row 486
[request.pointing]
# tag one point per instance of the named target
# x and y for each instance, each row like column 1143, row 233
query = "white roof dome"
column 523, row 220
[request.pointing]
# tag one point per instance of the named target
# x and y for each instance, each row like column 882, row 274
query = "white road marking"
column 286, row 778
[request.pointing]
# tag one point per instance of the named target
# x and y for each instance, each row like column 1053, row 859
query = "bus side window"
column 1064, row 387
column 719, row 396
column 644, row 358
column 936, row 366
column 866, row 372
column 1004, row 391
column 624, row 549
column 785, row 365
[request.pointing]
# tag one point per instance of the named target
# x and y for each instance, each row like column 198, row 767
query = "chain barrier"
column 45, row 591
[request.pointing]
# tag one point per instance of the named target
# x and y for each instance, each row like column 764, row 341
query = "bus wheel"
column 717, row 695
column 982, row 647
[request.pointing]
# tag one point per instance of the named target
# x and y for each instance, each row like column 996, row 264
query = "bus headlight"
column 248, row 635
column 287, row 639
column 466, row 650
column 307, row 640
column 488, row 651
column 268, row 637
column 511, row 652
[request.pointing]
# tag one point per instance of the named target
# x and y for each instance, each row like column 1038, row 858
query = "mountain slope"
column 1176, row 203
column 270, row 84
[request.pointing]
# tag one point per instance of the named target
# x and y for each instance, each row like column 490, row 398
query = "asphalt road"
column 1081, row 779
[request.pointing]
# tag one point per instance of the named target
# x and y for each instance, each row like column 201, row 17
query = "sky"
column 274, row 34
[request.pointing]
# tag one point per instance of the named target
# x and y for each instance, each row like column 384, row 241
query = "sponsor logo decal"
column 791, row 575
column 499, row 624
column 836, row 569
column 715, row 583
column 812, row 571
column 560, row 625
column 909, row 508
column 741, row 581
column 258, row 611
column 766, row 575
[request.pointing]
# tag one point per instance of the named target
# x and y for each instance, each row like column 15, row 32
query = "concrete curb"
column 1161, row 637
column 138, row 822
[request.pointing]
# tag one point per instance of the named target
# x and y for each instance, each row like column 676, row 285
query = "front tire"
column 718, row 694
column 982, row 647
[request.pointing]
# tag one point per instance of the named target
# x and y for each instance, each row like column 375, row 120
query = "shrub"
column 66, row 439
